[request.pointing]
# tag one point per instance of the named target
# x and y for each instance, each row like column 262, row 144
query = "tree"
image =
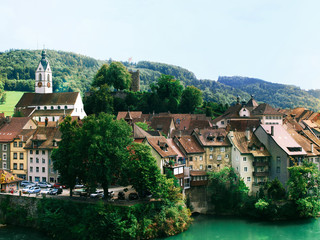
column 101, row 76
column 276, row 191
column 144, row 126
column 303, row 188
column 169, row 91
column 103, row 147
column 191, row 99
column 99, row 100
column 143, row 172
column 67, row 158
column 118, row 76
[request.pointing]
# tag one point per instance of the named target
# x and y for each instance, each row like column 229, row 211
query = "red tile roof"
column 158, row 142
column 190, row 144
column 133, row 115
column 212, row 137
column 12, row 128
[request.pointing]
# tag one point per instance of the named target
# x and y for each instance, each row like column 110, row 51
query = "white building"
column 43, row 104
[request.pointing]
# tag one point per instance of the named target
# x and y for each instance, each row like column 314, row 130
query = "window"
column 4, row 156
column 21, row 155
column 210, row 157
column 30, row 179
column 49, row 161
column 20, row 144
column 222, row 122
column 37, row 151
column 43, row 160
column 51, row 179
column 59, row 107
column 31, row 152
column 200, row 158
column 21, row 166
column 37, row 160
column 226, row 156
column 43, row 169
column 44, row 179
column 278, row 161
column 222, row 149
column 4, row 165
column 15, row 144
column 201, row 166
column 65, row 107
column 52, row 107
column 43, row 152
column 278, row 169
column 244, row 159
column 190, row 159
column 31, row 160
column 209, row 167
column 38, row 107
column 4, row 147
column 37, row 169
column 31, row 169
column 248, row 179
column 45, row 107
column 15, row 166
column 15, row 156
column 245, row 169
column 190, row 167
column 37, row 179
column 211, row 149
column 219, row 157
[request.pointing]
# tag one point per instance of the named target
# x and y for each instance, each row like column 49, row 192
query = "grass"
column 12, row 99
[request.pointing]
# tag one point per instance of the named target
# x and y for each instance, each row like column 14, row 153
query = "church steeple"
column 43, row 82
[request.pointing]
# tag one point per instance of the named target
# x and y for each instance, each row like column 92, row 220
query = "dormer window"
column 210, row 137
column 220, row 138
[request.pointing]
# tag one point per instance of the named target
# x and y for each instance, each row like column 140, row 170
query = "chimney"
column 248, row 134
column 272, row 130
column 311, row 147
column 8, row 119
column 179, row 134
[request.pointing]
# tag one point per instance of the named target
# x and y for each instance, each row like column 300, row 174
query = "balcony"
column 260, row 164
column 261, row 174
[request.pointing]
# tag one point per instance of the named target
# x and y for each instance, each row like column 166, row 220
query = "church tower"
column 43, row 82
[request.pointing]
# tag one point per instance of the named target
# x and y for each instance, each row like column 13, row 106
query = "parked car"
column 59, row 185
column 26, row 189
column 78, row 186
column 80, row 192
column 34, row 190
column 24, row 183
column 97, row 194
column 44, row 185
column 55, row 191
column 46, row 190
column 133, row 196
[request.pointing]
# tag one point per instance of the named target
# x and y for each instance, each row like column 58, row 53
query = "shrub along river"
column 212, row 227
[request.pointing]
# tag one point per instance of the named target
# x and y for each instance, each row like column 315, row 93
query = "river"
column 210, row 227
column 230, row 228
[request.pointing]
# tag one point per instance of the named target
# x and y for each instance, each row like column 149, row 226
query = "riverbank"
column 79, row 220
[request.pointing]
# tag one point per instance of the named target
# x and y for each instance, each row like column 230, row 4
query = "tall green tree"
column 101, row 76
column 169, row 91
column 118, row 76
column 104, row 142
column 99, row 100
column 66, row 158
column 143, row 172
column 191, row 99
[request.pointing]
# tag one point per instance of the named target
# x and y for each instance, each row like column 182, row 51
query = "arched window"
column 45, row 107
column 58, row 107
column 48, row 77
column 51, row 107
column 40, row 77
column 65, row 107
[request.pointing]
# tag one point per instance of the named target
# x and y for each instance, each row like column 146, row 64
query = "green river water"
column 209, row 227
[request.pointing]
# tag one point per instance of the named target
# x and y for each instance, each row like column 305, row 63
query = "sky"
column 277, row 41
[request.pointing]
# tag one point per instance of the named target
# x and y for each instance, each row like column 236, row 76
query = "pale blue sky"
column 278, row 41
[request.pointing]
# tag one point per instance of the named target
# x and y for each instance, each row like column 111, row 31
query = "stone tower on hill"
column 135, row 84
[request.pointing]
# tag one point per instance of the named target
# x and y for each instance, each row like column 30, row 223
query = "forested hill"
column 278, row 95
column 74, row 72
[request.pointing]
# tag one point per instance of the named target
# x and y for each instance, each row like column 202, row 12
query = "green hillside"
column 74, row 72
column 277, row 95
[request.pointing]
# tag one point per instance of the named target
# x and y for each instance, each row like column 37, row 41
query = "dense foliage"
column 63, row 219
column 272, row 202
column 74, row 72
